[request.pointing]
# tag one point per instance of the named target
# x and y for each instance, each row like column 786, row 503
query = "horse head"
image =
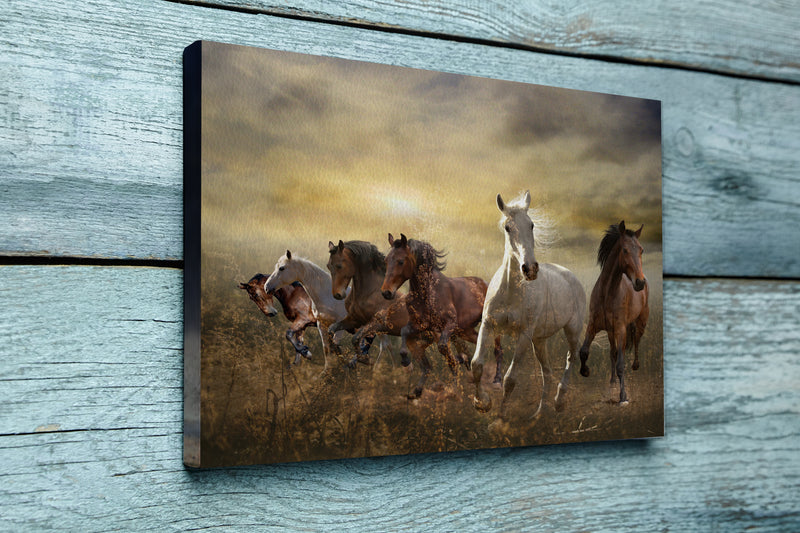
column 518, row 228
column 400, row 264
column 284, row 274
column 257, row 293
column 630, row 255
column 342, row 269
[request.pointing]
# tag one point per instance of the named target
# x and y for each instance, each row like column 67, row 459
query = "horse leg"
column 405, row 332
column 640, row 323
column 612, row 354
column 417, row 347
column 540, row 350
column 482, row 402
column 510, row 379
column 295, row 335
column 623, row 396
column 591, row 331
column 572, row 332
column 327, row 340
column 383, row 344
column 444, row 347
column 620, row 336
column 498, row 358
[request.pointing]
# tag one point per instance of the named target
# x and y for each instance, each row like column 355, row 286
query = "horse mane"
column 610, row 239
column 425, row 254
column 367, row 254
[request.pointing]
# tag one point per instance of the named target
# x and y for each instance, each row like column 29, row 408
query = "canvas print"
column 383, row 260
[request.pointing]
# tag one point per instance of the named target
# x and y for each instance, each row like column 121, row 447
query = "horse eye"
column 508, row 228
column 281, row 268
column 400, row 262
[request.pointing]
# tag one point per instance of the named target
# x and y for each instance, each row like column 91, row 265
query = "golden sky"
column 299, row 150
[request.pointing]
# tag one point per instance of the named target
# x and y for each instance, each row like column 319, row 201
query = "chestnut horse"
column 367, row 310
column 529, row 302
column 618, row 303
column 296, row 306
column 440, row 308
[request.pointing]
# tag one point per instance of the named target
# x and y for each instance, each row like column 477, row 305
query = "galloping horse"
column 296, row 306
column 439, row 307
column 363, row 264
column 618, row 303
column 530, row 302
column 317, row 283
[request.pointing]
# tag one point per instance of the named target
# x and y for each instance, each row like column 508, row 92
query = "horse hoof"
column 585, row 371
column 405, row 360
column 624, row 403
column 415, row 395
column 635, row 365
column 481, row 406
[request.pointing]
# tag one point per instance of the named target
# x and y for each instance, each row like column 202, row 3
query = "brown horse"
column 440, row 308
column 619, row 301
column 367, row 310
column 296, row 307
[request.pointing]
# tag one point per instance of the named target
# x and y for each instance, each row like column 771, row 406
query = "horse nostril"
column 524, row 269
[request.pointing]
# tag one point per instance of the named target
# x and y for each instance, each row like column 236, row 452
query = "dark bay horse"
column 296, row 306
column 619, row 301
column 440, row 308
column 368, row 311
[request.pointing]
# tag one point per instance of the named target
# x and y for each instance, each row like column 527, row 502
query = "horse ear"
column 621, row 227
column 638, row 232
column 331, row 246
column 527, row 199
column 288, row 254
column 243, row 286
column 341, row 245
column 391, row 239
column 403, row 240
column 500, row 205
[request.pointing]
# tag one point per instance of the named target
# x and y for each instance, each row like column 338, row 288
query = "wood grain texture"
column 90, row 431
column 91, row 157
column 748, row 38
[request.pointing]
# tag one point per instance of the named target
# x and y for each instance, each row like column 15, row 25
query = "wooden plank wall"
column 91, row 280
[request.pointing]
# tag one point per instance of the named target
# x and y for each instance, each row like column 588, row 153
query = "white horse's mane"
column 544, row 227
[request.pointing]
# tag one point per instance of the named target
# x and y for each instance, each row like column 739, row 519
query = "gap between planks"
column 364, row 25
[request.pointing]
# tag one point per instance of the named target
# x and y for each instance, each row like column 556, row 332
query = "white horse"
column 529, row 302
column 317, row 283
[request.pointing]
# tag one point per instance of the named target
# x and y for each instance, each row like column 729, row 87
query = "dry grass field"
column 259, row 408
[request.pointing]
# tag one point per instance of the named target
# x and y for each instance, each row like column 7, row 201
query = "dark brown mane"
column 425, row 254
column 367, row 255
column 610, row 239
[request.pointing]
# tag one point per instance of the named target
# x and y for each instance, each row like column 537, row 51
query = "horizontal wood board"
column 90, row 432
column 745, row 38
column 91, row 158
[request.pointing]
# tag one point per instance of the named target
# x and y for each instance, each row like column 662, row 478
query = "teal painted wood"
column 91, row 160
column 90, row 430
column 742, row 38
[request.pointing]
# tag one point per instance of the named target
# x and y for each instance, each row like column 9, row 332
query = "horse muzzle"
column 638, row 285
column 530, row 272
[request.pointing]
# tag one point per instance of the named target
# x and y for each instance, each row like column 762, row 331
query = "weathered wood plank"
column 91, row 162
column 90, row 430
column 743, row 38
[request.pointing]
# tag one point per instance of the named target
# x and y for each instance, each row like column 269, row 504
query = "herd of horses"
column 525, row 300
